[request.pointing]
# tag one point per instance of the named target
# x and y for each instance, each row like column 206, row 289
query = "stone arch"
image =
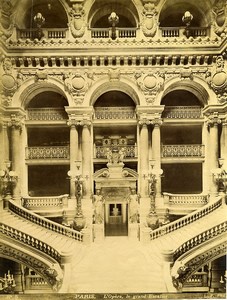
column 99, row 9
column 124, row 85
column 31, row 88
column 197, row 87
column 199, row 10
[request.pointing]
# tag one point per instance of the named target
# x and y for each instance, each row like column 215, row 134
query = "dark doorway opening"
column 116, row 220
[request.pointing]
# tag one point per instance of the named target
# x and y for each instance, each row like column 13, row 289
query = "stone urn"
column 152, row 220
column 79, row 222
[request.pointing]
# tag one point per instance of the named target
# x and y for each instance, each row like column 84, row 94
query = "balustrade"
column 198, row 279
column 48, row 152
column 35, row 282
column 199, row 239
column 182, row 112
column 110, row 113
column 192, row 217
column 120, row 32
column 183, row 150
column 179, row 31
column 53, row 33
column 45, row 202
column 46, row 114
column 185, row 199
column 102, row 151
column 41, row 221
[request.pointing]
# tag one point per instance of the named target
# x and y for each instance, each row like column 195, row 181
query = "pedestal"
column 98, row 232
column 133, row 231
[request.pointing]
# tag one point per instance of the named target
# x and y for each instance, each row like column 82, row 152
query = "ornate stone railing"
column 46, row 114
column 102, row 151
column 110, row 113
column 36, row 203
column 34, row 282
column 185, row 199
column 182, row 112
column 47, row 152
column 41, row 221
column 30, row 240
column 120, row 32
column 193, row 150
column 199, row 239
column 179, row 31
column 198, row 279
column 190, row 218
column 50, row 33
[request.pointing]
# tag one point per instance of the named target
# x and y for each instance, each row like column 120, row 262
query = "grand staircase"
column 116, row 264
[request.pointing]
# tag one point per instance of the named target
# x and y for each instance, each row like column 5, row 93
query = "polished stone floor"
column 118, row 265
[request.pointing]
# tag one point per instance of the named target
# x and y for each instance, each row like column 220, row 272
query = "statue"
column 98, row 202
column 133, row 207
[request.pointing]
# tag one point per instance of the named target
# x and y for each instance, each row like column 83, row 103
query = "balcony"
column 177, row 32
column 114, row 113
column 120, row 32
column 46, row 114
column 185, row 199
column 47, row 152
column 182, row 151
column 182, row 112
column 130, row 151
column 48, row 33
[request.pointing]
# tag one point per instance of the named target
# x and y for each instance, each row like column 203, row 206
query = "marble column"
column 86, row 158
column 107, row 212
column 4, row 149
column 73, row 154
column 156, row 152
column 144, row 158
column 213, row 150
column 224, row 143
column 16, row 145
column 206, row 169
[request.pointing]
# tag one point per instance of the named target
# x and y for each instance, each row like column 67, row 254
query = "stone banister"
column 45, row 202
column 201, row 212
column 199, row 239
column 185, row 199
column 41, row 221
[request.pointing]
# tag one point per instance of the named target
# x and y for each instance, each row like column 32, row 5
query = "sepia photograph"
column 113, row 149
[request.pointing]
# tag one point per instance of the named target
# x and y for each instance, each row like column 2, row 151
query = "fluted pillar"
column 73, row 153
column 213, row 150
column 86, row 158
column 144, row 158
column 16, row 145
column 224, row 143
column 4, row 141
column 156, row 152
column 206, row 168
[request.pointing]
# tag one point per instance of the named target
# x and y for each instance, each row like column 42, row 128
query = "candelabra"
column 113, row 20
column 39, row 20
column 152, row 217
column 223, row 279
column 220, row 175
column 186, row 19
column 7, row 284
column 79, row 219
column 8, row 179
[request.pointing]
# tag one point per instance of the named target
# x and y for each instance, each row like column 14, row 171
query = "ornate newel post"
column 16, row 128
column 213, row 143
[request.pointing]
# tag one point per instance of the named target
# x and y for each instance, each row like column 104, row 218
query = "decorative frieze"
column 48, row 152
column 182, row 151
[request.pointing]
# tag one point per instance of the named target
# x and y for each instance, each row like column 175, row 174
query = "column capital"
column 85, row 123
column 15, row 122
column 157, row 120
column 144, row 122
column 213, row 119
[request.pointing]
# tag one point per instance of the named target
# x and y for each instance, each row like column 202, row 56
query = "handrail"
column 199, row 239
column 41, row 221
column 185, row 199
column 30, row 241
column 193, row 216
column 44, row 202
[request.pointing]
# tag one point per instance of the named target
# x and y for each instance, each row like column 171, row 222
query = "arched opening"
column 180, row 98
column 114, row 99
column 47, row 99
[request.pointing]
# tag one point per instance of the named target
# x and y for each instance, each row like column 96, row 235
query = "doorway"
column 116, row 219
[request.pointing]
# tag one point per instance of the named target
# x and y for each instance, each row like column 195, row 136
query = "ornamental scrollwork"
column 77, row 21
column 150, row 21
column 8, row 82
column 150, row 84
column 217, row 79
column 77, row 84
column 6, row 19
column 220, row 18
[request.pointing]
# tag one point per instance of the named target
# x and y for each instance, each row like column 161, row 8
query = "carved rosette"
column 77, row 21
column 150, row 84
column 217, row 79
column 150, row 20
column 220, row 18
column 8, row 83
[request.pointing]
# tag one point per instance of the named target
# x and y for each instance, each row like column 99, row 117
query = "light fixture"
column 187, row 19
